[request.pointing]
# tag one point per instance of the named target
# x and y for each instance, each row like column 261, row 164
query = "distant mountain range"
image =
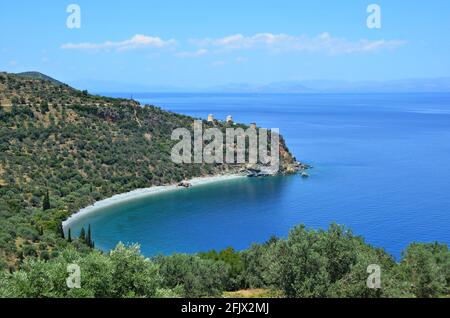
column 300, row 87
column 336, row 86
column 287, row 87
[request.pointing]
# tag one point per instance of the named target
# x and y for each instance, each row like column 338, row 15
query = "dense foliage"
column 308, row 263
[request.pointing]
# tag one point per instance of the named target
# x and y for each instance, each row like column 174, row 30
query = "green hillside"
column 79, row 148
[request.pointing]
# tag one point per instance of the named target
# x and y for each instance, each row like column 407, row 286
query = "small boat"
column 305, row 175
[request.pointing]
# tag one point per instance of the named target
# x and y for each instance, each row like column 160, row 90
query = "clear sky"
column 206, row 43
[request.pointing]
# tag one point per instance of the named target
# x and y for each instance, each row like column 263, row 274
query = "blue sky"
column 205, row 43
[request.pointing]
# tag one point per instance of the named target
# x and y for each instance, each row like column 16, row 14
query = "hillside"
column 79, row 148
column 35, row 89
column 38, row 75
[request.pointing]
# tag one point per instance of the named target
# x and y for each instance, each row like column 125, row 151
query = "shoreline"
column 141, row 193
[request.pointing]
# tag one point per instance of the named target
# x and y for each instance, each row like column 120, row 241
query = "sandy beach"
column 140, row 193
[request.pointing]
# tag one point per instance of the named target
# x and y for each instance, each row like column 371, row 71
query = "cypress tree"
column 69, row 236
column 88, row 238
column 83, row 234
column 61, row 230
column 46, row 203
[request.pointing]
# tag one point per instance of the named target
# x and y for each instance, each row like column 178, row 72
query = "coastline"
column 141, row 193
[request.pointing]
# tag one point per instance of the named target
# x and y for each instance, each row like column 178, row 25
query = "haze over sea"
column 381, row 167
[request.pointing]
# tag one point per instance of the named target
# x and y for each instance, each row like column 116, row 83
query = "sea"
column 381, row 167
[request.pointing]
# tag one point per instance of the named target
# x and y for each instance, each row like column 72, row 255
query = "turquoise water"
column 381, row 167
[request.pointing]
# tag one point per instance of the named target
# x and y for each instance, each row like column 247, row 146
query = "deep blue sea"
column 381, row 167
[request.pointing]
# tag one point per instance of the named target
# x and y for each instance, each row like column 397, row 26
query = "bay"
column 381, row 167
